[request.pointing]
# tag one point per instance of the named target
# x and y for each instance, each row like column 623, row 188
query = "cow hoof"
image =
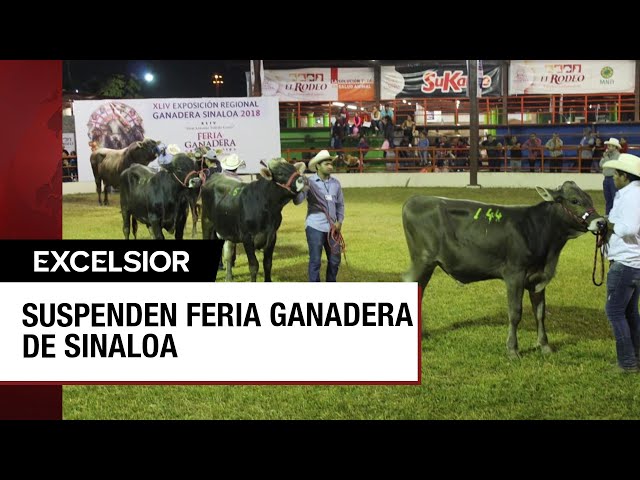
column 513, row 354
column 546, row 349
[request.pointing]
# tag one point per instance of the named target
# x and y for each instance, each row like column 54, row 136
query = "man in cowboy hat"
column 325, row 214
column 230, row 164
column 623, row 251
column 165, row 155
column 608, row 187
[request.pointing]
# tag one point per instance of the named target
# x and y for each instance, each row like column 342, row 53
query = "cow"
column 473, row 241
column 108, row 164
column 159, row 200
column 250, row 213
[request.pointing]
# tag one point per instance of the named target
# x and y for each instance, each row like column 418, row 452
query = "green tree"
column 120, row 86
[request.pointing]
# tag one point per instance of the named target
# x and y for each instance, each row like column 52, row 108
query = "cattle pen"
column 466, row 373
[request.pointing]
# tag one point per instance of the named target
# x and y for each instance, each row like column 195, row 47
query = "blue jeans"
column 609, row 188
column 318, row 240
column 623, row 292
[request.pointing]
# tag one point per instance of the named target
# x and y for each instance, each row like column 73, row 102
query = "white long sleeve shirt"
column 624, row 244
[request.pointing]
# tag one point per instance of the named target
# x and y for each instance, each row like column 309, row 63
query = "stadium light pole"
column 217, row 80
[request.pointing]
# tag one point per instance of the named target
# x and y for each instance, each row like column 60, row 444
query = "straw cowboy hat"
column 614, row 142
column 232, row 162
column 625, row 162
column 173, row 149
column 321, row 156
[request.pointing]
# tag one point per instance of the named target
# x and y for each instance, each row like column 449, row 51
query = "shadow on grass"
column 577, row 323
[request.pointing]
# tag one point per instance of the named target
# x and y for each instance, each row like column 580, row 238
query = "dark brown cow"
column 473, row 241
column 108, row 164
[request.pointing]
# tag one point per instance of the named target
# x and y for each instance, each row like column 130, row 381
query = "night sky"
column 173, row 78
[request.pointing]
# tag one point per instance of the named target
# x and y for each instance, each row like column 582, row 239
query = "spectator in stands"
column 598, row 150
column 534, row 151
column 515, row 154
column 423, row 144
column 388, row 132
column 608, row 185
column 408, row 126
column 554, row 145
column 357, row 124
column 362, row 144
column 494, row 152
column 337, row 134
column 375, row 120
column 387, row 112
column 585, row 151
column 624, row 146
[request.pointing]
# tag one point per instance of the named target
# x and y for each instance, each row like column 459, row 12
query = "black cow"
column 473, row 241
column 250, row 213
column 159, row 200
column 108, row 164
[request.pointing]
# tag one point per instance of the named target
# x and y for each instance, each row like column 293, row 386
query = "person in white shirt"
column 623, row 252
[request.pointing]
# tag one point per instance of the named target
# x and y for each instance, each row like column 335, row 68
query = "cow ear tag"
column 544, row 193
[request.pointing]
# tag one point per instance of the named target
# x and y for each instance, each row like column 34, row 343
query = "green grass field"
column 466, row 373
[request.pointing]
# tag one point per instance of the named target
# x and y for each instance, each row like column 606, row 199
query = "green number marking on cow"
column 236, row 191
column 489, row 215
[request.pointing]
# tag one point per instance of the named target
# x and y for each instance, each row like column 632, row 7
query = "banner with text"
column 571, row 76
column 320, row 84
column 435, row 80
column 249, row 127
column 186, row 332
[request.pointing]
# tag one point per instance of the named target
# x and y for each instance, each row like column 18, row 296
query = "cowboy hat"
column 625, row 162
column 173, row 149
column 321, row 156
column 232, row 162
column 211, row 155
column 614, row 142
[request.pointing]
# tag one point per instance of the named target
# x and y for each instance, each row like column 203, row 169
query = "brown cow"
column 108, row 164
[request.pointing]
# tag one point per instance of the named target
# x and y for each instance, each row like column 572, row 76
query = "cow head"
column 145, row 151
column 286, row 175
column 183, row 169
column 576, row 205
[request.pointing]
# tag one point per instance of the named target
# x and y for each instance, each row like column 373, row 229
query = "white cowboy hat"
column 625, row 162
column 614, row 142
column 321, row 156
column 173, row 149
column 232, row 162
column 211, row 155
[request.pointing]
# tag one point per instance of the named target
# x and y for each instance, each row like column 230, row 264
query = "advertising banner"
column 434, row 80
column 319, row 84
column 69, row 142
column 571, row 76
column 248, row 127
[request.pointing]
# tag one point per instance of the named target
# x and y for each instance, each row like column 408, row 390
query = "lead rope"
column 600, row 247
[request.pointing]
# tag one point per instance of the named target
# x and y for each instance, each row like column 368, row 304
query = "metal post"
column 474, row 123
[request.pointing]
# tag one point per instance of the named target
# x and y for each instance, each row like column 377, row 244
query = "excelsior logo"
column 450, row 81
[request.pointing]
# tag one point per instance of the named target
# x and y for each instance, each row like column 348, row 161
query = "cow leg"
column 126, row 223
column 267, row 260
column 99, row 190
column 539, row 306
column 250, row 250
column 134, row 227
column 515, row 290
column 227, row 253
column 106, row 194
column 156, row 229
column 180, row 224
column 195, row 216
